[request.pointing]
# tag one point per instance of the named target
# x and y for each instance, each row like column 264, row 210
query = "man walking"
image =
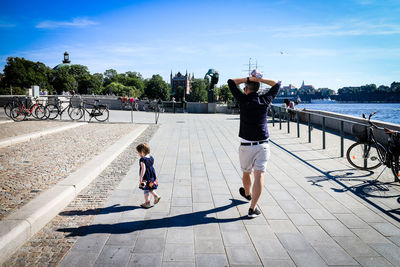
column 254, row 148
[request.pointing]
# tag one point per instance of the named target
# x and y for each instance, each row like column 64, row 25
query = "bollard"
column 280, row 119
column 309, row 127
column 323, row 133
column 298, row 124
column 108, row 119
column 341, row 139
column 288, row 122
column 131, row 113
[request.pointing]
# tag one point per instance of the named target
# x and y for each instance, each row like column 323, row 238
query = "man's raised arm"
column 232, row 84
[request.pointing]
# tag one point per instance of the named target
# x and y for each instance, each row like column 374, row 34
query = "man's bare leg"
column 246, row 182
column 257, row 187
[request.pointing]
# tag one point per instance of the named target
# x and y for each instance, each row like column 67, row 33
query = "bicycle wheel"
column 396, row 168
column 53, row 111
column 365, row 156
column 7, row 109
column 75, row 113
column 32, row 111
column 101, row 113
column 41, row 112
column 18, row 113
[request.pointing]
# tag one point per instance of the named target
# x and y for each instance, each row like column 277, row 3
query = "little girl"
column 147, row 174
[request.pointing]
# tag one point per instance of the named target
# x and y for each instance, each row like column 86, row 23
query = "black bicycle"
column 98, row 111
column 368, row 154
column 12, row 102
column 55, row 109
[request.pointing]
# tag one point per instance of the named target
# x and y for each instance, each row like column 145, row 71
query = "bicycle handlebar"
column 387, row 130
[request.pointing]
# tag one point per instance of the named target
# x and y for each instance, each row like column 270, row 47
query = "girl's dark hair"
column 143, row 148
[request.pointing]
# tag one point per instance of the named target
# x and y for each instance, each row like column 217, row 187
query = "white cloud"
column 75, row 23
column 348, row 28
column 6, row 25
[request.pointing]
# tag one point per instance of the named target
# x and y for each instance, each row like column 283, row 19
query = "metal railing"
column 286, row 114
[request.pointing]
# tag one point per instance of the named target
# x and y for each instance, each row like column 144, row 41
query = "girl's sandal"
column 156, row 200
column 146, row 205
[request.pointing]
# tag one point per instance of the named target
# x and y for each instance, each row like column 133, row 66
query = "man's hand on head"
column 254, row 79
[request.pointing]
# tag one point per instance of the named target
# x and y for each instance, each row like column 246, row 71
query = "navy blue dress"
column 149, row 177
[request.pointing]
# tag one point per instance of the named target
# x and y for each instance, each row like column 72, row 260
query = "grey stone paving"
column 309, row 219
column 316, row 210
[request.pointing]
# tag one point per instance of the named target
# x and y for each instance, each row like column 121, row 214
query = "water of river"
column 387, row 112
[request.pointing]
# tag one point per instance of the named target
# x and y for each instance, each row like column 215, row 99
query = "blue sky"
column 325, row 43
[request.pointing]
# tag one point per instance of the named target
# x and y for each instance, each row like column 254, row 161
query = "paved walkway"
column 316, row 211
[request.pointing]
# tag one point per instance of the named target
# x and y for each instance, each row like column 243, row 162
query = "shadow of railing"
column 363, row 191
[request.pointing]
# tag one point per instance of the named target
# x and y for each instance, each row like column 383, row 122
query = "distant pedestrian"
column 254, row 147
column 286, row 103
column 147, row 175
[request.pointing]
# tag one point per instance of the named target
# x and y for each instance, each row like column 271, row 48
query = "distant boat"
column 327, row 100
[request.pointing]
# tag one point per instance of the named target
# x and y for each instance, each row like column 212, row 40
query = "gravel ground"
column 49, row 246
column 28, row 168
column 12, row 129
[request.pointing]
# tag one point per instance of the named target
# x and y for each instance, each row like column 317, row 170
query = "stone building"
column 184, row 81
column 306, row 88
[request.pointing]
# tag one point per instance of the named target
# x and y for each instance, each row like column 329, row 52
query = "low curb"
column 26, row 137
column 17, row 228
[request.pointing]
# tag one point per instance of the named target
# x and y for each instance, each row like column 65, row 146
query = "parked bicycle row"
column 141, row 104
column 20, row 108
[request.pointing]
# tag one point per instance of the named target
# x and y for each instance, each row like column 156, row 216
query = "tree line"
column 20, row 73
column 364, row 93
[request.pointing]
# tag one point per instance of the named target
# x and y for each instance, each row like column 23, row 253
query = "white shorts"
column 254, row 157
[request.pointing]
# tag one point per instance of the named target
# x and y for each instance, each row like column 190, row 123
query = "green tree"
column 22, row 73
column 134, row 79
column 63, row 80
column 109, row 76
column 82, row 77
column 156, row 88
column 121, row 90
column 225, row 94
column 179, row 93
column 134, row 74
column 115, row 88
column 96, row 86
column 384, row 88
column 199, row 91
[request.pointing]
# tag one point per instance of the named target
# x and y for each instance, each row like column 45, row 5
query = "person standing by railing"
column 254, row 148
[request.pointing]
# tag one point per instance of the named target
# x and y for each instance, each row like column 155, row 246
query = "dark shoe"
column 253, row 213
column 243, row 194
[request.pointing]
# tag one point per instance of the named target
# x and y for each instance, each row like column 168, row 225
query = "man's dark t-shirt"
column 253, row 112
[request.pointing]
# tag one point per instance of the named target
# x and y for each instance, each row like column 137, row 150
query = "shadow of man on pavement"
column 181, row 220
